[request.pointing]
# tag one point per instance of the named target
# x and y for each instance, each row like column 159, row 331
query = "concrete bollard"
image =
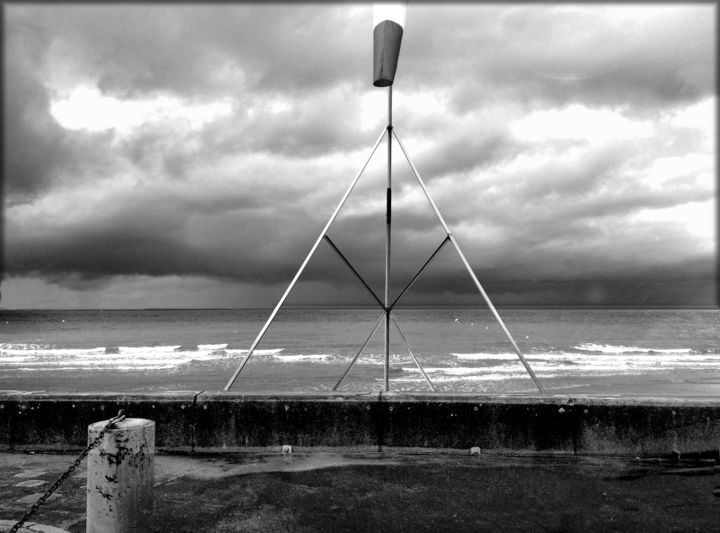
column 120, row 474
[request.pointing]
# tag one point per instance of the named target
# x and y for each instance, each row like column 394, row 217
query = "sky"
column 190, row 155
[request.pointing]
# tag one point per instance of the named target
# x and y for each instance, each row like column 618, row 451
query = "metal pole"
column 470, row 271
column 388, row 217
column 377, row 325
column 304, row 264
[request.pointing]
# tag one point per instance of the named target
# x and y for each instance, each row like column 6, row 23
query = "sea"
column 637, row 352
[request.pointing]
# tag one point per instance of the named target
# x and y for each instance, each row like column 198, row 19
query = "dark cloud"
column 127, row 250
column 184, row 50
column 38, row 152
column 690, row 282
column 456, row 152
column 557, row 54
column 242, row 197
column 196, row 50
column 35, row 144
column 303, row 127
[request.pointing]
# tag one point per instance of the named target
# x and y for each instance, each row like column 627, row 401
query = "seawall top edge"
column 372, row 396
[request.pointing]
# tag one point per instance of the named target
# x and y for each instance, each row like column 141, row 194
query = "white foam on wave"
column 590, row 359
column 15, row 359
column 302, row 357
column 647, row 357
column 483, row 356
column 512, row 356
column 613, row 349
column 270, row 352
column 579, row 364
column 468, row 371
column 30, row 350
column 212, row 347
column 379, row 359
column 364, row 359
column 134, row 350
column 488, row 376
column 23, row 347
column 37, row 357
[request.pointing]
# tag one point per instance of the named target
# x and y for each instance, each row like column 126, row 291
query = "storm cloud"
column 162, row 154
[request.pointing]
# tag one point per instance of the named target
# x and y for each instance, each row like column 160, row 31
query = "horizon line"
column 423, row 307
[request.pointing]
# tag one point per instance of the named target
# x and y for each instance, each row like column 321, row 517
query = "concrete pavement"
column 421, row 490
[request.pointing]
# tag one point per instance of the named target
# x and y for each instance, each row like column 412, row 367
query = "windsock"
column 388, row 22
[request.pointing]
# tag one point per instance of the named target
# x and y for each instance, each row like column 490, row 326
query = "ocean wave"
column 583, row 359
column 135, row 350
column 270, row 352
column 364, row 359
column 35, row 350
column 468, row 371
column 587, row 365
column 481, row 356
column 379, row 359
column 454, row 379
column 15, row 359
column 303, row 357
column 20, row 347
column 612, row 349
column 212, row 347
column 37, row 357
column 641, row 356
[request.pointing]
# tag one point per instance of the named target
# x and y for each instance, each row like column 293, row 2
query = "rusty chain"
column 120, row 416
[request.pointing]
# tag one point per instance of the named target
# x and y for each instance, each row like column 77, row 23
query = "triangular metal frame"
column 386, row 307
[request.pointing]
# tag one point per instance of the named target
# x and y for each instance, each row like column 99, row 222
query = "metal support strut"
column 388, row 223
column 402, row 335
column 470, row 270
column 304, row 264
column 377, row 325
column 385, row 304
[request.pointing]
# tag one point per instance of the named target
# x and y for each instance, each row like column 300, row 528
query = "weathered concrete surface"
column 194, row 421
column 398, row 492
column 29, row 527
column 42, row 421
column 120, row 476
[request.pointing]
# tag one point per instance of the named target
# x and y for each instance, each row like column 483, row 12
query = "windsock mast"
column 388, row 24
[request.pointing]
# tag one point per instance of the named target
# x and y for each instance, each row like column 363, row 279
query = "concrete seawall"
column 211, row 421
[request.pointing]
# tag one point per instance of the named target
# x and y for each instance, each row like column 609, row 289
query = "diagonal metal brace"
column 352, row 269
column 470, row 270
column 352, row 363
column 432, row 387
column 304, row 264
column 412, row 281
